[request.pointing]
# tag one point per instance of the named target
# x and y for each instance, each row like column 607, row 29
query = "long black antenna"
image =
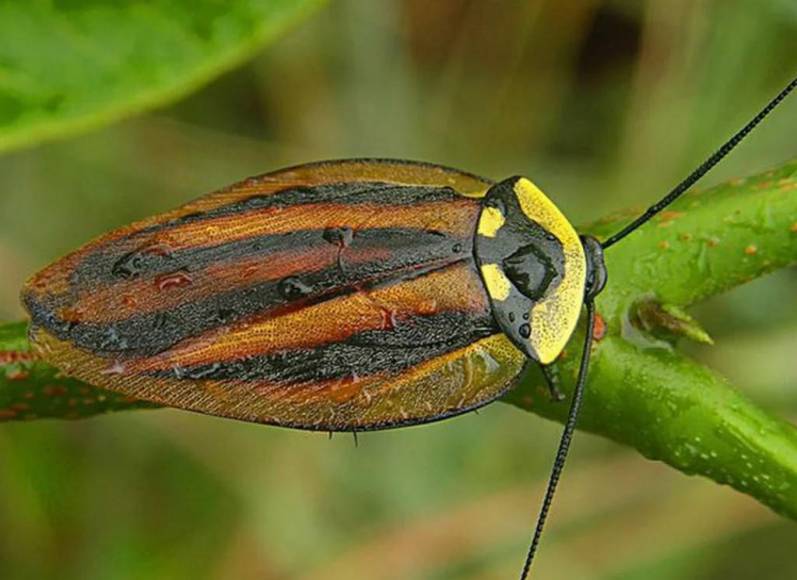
column 707, row 165
column 564, row 442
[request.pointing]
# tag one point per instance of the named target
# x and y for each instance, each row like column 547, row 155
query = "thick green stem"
column 706, row 243
column 641, row 391
column 674, row 410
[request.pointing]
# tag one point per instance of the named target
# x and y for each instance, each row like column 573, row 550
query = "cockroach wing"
column 337, row 296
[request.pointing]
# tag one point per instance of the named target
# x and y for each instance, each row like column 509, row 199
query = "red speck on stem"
column 13, row 356
column 54, row 390
column 667, row 217
column 600, row 327
column 17, row 375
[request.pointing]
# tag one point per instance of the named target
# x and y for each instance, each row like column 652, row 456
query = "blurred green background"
column 605, row 104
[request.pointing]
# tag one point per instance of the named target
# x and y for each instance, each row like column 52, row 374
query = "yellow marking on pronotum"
column 554, row 318
column 490, row 222
column 498, row 285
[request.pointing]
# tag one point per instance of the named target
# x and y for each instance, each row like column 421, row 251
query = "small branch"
column 31, row 389
column 705, row 244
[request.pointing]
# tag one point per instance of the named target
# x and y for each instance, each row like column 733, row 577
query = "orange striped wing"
column 335, row 296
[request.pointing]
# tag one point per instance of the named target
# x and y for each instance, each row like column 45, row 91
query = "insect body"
column 338, row 296
column 346, row 295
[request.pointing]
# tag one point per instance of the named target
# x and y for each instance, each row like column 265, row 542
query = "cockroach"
column 337, row 296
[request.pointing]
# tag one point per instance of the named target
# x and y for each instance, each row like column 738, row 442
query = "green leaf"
column 641, row 391
column 71, row 66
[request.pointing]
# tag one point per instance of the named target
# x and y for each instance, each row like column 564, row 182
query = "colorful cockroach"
column 336, row 296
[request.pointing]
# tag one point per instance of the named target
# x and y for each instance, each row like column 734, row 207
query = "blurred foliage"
column 605, row 104
column 68, row 66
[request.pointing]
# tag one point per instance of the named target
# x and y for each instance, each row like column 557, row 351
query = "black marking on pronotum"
column 343, row 193
column 106, row 267
column 365, row 353
column 531, row 258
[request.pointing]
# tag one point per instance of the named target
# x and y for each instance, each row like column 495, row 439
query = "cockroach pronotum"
column 337, row 296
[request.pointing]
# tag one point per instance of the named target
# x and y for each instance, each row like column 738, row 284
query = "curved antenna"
column 707, row 165
column 564, row 442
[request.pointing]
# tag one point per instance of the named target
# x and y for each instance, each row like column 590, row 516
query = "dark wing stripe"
column 349, row 193
column 121, row 300
column 397, row 311
column 367, row 353
column 148, row 263
column 446, row 217
column 396, row 254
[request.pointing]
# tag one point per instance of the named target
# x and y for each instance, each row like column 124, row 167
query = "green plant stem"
column 705, row 244
column 641, row 392
column 674, row 410
column 32, row 389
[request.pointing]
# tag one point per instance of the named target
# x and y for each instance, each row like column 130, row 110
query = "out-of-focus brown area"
column 605, row 105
